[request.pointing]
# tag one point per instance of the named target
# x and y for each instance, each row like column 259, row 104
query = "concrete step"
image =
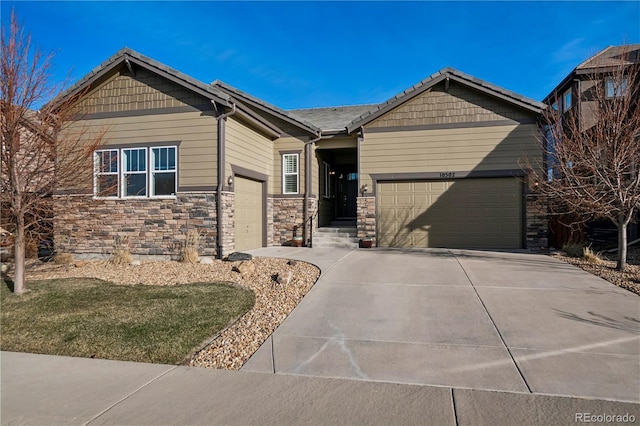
column 334, row 238
column 334, row 245
column 337, row 229
column 347, row 223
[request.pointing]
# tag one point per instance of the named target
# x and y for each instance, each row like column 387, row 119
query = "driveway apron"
column 468, row 319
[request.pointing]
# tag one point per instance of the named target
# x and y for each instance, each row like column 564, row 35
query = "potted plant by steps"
column 297, row 241
column 366, row 242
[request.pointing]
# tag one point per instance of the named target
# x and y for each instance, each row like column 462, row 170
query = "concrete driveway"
column 458, row 318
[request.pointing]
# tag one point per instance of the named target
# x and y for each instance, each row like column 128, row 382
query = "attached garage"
column 462, row 213
column 249, row 215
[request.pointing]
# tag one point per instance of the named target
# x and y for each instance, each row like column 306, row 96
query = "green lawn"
column 94, row 318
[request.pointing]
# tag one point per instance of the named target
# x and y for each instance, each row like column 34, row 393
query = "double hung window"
column 136, row 172
column 290, row 173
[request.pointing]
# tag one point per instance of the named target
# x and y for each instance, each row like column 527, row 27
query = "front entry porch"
column 338, row 187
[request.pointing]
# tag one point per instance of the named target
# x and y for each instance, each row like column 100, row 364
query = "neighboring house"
column 438, row 165
column 579, row 92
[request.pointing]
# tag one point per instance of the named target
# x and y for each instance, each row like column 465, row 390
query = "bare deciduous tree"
column 42, row 150
column 592, row 150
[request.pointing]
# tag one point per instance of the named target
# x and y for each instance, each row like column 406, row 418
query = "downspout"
column 307, row 183
column 221, row 165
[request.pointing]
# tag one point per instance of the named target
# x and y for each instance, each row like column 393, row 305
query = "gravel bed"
column 629, row 279
column 235, row 344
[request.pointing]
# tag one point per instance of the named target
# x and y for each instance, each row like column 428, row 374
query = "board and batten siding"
column 195, row 132
column 247, row 148
column 439, row 150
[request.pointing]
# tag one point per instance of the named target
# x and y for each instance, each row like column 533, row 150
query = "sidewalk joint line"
column 129, row 395
column 453, row 403
column 493, row 323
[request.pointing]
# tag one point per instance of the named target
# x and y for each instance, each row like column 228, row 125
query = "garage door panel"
column 466, row 213
column 249, row 220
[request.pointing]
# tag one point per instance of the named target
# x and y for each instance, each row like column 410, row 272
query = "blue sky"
column 311, row 54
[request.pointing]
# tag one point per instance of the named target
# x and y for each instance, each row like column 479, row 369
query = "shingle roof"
column 436, row 78
column 128, row 54
column 332, row 118
column 264, row 105
column 605, row 59
column 612, row 56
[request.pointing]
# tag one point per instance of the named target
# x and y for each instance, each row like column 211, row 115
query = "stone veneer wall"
column 366, row 217
column 537, row 231
column 287, row 213
column 228, row 222
column 87, row 227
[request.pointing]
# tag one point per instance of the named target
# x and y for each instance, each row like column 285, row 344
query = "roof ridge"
column 592, row 57
column 332, row 106
column 265, row 104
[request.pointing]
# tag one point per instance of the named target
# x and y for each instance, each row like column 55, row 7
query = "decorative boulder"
column 206, row 261
column 237, row 256
column 284, row 277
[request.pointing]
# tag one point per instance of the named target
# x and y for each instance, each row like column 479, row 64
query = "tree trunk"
column 19, row 245
column 622, row 245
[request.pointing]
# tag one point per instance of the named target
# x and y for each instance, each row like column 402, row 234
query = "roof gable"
column 442, row 76
column 133, row 60
column 613, row 56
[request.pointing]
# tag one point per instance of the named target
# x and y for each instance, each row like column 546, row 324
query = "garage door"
column 464, row 213
column 248, row 214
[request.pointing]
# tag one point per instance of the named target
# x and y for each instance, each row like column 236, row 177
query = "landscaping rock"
column 235, row 344
column 136, row 263
column 206, row 261
column 245, row 267
column 237, row 256
column 291, row 262
column 284, row 277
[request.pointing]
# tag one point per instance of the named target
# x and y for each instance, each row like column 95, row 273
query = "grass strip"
column 94, row 318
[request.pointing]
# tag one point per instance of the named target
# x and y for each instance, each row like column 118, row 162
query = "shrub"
column 573, row 249
column 191, row 246
column 63, row 259
column 591, row 256
column 120, row 255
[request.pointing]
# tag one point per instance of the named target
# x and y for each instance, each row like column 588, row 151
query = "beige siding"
column 195, row 133
column 461, row 149
column 316, row 170
column 247, row 148
column 121, row 92
column 458, row 105
column 286, row 144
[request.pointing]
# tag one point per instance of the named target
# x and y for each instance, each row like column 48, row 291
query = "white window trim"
column 327, row 180
column 618, row 91
column 121, row 172
column 152, row 172
column 97, row 173
column 284, row 174
column 566, row 107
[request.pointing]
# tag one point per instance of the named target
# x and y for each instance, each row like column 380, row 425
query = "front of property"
column 440, row 165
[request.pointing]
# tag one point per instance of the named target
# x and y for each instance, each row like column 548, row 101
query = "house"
column 439, row 165
column 578, row 95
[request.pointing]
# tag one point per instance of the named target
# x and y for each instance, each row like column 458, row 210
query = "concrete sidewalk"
column 43, row 389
